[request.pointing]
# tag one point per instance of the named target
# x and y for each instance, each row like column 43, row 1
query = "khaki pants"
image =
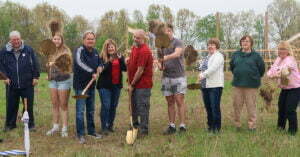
column 246, row 96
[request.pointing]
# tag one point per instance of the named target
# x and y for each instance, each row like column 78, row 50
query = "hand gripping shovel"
column 132, row 133
column 83, row 95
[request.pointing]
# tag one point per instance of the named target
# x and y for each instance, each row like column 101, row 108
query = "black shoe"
column 9, row 128
column 209, row 129
column 32, row 129
column 182, row 129
column 292, row 132
column 170, row 130
column 142, row 134
column 105, row 132
column 110, row 129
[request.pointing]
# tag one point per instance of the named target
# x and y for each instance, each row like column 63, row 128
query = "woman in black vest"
column 110, row 83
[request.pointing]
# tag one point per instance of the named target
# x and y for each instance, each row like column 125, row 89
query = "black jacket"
column 20, row 71
column 105, row 79
column 85, row 65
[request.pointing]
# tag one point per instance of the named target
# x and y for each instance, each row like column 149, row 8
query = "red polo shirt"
column 141, row 57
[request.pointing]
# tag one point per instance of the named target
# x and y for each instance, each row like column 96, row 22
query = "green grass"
column 266, row 141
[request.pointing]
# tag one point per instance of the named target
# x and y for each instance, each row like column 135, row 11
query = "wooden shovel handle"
column 25, row 104
column 87, row 86
column 130, row 102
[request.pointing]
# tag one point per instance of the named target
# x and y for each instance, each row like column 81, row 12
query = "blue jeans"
column 212, row 99
column 89, row 104
column 109, row 100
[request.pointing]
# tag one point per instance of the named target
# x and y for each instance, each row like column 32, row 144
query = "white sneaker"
column 64, row 133
column 52, row 131
column 81, row 140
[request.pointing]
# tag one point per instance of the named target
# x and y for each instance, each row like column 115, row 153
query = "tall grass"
column 266, row 141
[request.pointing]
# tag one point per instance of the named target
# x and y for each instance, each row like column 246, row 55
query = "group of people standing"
column 104, row 72
column 248, row 67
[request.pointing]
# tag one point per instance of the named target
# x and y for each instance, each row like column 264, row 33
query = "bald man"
column 140, row 74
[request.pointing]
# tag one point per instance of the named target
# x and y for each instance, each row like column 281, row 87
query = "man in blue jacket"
column 19, row 63
column 87, row 66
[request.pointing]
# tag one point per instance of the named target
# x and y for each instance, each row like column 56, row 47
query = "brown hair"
column 104, row 52
column 214, row 41
column 62, row 48
column 170, row 25
column 63, row 56
column 245, row 37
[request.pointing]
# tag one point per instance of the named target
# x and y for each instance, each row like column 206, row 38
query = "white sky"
column 94, row 9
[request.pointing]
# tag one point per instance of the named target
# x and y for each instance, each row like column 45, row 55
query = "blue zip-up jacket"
column 85, row 65
column 20, row 71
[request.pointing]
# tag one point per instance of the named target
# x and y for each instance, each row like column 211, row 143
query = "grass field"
column 265, row 142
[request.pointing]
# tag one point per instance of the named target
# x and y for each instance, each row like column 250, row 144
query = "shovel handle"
column 25, row 103
column 87, row 86
column 130, row 102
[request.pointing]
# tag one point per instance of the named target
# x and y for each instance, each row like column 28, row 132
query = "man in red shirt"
column 140, row 74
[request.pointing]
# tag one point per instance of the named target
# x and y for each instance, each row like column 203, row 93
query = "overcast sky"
column 93, row 9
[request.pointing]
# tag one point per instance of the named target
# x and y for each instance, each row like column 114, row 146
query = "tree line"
column 193, row 29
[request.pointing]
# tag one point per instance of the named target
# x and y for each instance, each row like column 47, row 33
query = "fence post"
column 266, row 32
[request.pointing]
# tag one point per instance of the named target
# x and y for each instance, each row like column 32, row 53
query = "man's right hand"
column 7, row 81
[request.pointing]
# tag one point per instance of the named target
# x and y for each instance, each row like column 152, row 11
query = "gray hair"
column 14, row 34
column 87, row 33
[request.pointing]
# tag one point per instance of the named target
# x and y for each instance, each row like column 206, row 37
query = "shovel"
column 132, row 133
column 83, row 95
column 25, row 119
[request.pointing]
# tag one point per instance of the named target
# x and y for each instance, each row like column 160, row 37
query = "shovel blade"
column 129, row 137
column 134, row 133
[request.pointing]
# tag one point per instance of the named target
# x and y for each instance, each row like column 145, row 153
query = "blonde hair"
column 286, row 45
column 104, row 53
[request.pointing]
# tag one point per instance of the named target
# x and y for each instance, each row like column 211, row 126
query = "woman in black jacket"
column 110, row 84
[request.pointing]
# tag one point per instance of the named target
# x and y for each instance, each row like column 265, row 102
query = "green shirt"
column 247, row 69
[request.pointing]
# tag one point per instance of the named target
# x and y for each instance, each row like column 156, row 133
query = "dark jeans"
column 89, row 104
column 141, row 107
column 212, row 99
column 12, row 105
column 287, row 106
column 109, row 100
